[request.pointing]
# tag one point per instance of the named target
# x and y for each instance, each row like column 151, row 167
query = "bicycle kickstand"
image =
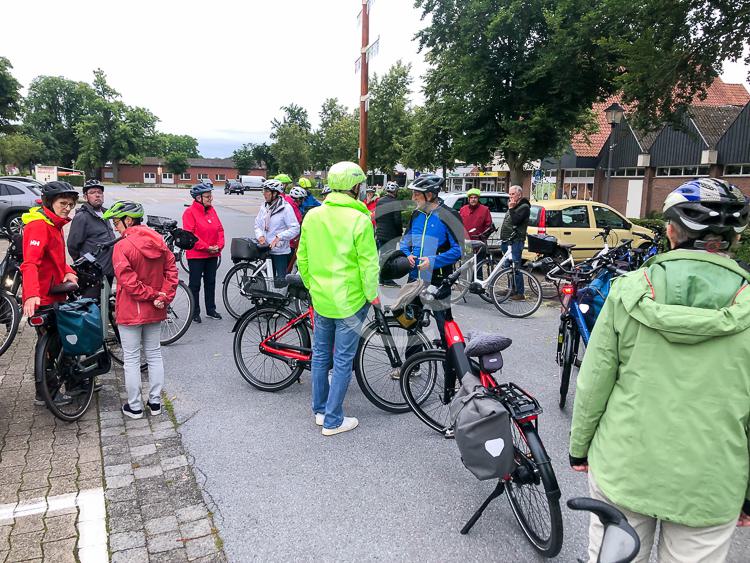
column 497, row 491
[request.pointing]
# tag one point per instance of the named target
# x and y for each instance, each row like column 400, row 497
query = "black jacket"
column 516, row 222
column 86, row 231
column 388, row 224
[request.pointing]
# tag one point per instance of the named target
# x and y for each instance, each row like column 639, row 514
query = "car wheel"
column 14, row 224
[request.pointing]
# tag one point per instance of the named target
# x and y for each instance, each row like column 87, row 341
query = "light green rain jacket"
column 337, row 257
column 663, row 396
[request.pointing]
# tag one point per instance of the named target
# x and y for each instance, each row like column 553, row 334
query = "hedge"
column 75, row 181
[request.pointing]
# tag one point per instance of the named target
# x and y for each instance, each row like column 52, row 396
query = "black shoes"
column 214, row 315
column 197, row 319
column 127, row 411
column 155, row 408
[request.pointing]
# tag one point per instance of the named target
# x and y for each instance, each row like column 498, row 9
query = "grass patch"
column 168, row 405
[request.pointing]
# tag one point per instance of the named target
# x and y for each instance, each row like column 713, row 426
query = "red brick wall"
column 134, row 174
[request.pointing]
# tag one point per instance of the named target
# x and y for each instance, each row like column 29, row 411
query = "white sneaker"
column 319, row 418
column 350, row 423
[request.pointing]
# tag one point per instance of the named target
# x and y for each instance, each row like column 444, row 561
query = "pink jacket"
column 205, row 224
column 144, row 267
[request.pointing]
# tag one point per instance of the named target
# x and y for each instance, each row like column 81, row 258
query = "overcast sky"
column 218, row 70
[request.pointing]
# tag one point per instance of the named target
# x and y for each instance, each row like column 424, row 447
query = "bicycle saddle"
column 567, row 245
column 63, row 288
column 488, row 347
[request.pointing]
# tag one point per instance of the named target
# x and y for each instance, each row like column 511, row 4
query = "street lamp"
column 614, row 114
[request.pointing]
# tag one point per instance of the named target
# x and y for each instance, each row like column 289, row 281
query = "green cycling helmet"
column 283, row 178
column 304, row 183
column 473, row 191
column 343, row 176
column 121, row 209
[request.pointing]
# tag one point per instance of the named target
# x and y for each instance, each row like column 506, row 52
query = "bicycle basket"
column 160, row 223
column 79, row 324
column 184, row 239
column 542, row 244
column 247, row 250
column 482, row 430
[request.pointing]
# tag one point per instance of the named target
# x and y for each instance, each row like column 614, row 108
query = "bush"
column 75, row 181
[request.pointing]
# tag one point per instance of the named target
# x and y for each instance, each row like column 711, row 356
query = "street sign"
column 45, row 174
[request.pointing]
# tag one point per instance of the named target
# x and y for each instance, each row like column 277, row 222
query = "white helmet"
column 391, row 187
column 297, row 193
column 274, row 186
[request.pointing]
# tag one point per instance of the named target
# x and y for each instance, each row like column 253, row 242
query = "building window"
column 149, row 176
column 109, row 175
column 221, row 177
column 682, row 171
column 202, row 176
column 580, row 173
column 629, row 172
column 167, row 176
column 185, row 176
column 737, row 170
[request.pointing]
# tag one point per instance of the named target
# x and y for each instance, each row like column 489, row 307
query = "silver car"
column 496, row 201
column 17, row 194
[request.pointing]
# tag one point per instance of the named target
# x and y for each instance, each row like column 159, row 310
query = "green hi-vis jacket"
column 663, row 397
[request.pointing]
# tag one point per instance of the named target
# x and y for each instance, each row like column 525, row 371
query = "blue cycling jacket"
column 308, row 203
column 429, row 235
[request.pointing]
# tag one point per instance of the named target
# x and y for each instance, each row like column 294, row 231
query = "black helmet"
column 53, row 190
column 427, row 183
column 92, row 184
column 394, row 265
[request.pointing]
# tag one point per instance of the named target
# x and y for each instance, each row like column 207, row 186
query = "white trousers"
column 148, row 337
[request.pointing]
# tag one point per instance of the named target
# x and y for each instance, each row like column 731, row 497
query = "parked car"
column 578, row 222
column 252, row 182
column 234, row 187
column 17, row 194
column 496, row 201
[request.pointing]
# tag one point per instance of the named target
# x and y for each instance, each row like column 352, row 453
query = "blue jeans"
column 337, row 338
column 516, row 249
column 280, row 264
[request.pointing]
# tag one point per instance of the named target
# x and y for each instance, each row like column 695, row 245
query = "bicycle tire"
column 268, row 320
column 422, row 388
column 502, row 287
column 461, row 287
column 181, row 257
column 10, row 317
column 378, row 384
column 567, row 358
column 178, row 320
column 486, row 266
column 51, row 367
column 238, row 281
column 534, row 469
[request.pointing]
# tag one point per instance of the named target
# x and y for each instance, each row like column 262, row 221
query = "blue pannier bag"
column 80, row 326
column 591, row 298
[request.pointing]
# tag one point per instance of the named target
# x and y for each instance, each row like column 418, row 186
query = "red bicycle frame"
column 270, row 347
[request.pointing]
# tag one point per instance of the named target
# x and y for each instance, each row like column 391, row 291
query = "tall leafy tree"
column 167, row 143
column 177, row 162
column 264, row 156
column 389, row 119
column 293, row 114
column 19, row 149
column 244, row 158
column 337, row 137
column 10, row 95
column 429, row 144
column 291, row 149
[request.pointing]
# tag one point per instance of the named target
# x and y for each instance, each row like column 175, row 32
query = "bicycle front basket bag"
column 245, row 250
column 80, row 326
column 184, row 239
column 160, row 223
column 482, row 430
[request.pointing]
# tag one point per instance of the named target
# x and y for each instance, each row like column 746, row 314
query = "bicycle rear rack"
column 519, row 403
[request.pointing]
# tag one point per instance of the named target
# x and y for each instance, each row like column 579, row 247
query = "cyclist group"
column 661, row 417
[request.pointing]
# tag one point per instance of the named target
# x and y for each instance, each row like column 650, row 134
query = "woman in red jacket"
column 203, row 260
column 146, row 283
column 44, row 263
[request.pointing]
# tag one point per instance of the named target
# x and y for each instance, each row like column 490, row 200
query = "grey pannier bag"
column 482, row 430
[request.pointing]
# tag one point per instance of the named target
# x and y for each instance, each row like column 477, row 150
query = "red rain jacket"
column 205, row 224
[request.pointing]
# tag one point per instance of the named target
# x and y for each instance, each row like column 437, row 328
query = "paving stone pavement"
column 57, row 479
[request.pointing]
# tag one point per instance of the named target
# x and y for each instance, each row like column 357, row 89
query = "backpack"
column 80, row 326
column 593, row 297
column 482, row 430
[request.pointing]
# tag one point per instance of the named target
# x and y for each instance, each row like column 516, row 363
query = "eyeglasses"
column 67, row 205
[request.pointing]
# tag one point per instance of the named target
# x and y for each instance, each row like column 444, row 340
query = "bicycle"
column 532, row 488
column 10, row 284
column 67, row 382
column 272, row 346
column 168, row 229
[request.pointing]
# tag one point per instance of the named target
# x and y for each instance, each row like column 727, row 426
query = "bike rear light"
column 567, row 289
column 542, row 228
column 36, row 321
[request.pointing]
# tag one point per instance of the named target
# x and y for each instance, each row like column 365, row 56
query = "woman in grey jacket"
column 276, row 225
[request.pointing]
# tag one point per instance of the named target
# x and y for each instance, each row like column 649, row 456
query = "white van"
column 252, row 182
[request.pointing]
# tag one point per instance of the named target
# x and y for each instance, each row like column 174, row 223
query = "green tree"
column 10, row 95
column 292, row 149
column 19, row 149
column 389, row 119
column 177, row 162
column 167, row 143
column 337, row 138
column 292, row 114
column 263, row 156
column 53, row 107
column 429, row 144
column 244, row 158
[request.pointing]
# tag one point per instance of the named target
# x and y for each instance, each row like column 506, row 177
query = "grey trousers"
column 148, row 337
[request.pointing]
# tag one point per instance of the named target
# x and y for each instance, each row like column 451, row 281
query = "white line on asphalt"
column 92, row 527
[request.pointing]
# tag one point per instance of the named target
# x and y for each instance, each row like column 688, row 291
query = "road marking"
column 92, row 527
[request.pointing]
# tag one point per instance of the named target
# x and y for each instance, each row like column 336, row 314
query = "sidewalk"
column 103, row 488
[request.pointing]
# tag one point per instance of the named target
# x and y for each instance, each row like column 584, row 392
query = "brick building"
column 714, row 141
column 155, row 171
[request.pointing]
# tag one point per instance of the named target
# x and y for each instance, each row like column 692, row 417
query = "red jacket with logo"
column 203, row 223
column 144, row 266
column 477, row 218
column 43, row 264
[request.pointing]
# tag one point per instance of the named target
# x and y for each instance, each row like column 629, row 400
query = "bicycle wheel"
column 181, row 257
column 533, row 493
column 261, row 370
column 502, row 288
column 10, row 316
column 179, row 315
column 235, row 288
column 484, row 271
column 67, row 394
column 567, row 358
column 423, row 387
column 378, row 380
column 461, row 287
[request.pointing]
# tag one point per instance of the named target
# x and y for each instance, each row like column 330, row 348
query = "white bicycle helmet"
column 297, row 193
column 274, row 186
